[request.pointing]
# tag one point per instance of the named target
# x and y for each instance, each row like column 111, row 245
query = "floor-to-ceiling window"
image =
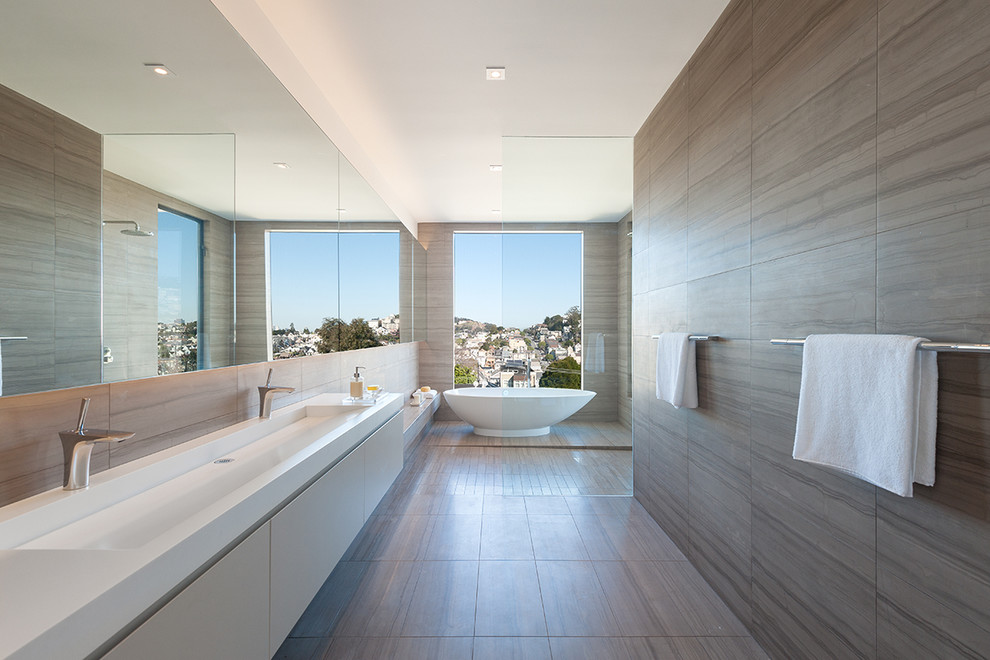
column 517, row 309
column 180, row 292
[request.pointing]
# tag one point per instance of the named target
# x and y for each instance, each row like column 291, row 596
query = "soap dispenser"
column 357, row 384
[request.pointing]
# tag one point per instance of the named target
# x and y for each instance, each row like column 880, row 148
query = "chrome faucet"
column 77, row 447
column 266, row 394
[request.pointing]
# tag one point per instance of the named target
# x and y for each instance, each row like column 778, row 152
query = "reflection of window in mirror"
column 180, row 292
column 333, row 291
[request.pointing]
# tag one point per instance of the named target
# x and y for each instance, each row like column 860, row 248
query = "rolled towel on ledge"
column 677, row 374
column 868, row 406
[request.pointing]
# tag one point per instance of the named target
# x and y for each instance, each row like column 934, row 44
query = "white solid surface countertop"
column 78, row 567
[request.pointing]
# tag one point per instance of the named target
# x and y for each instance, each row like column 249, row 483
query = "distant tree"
column 564, row 373
column 460, row 341
column 305, row 331
column 335, row 335
column 464, row 375
column 573, row 318
column 554, row 323
column 486, row 345
column 490, row 328
column 529, row 344
column 189, row 361
column 292, row 327
column 542, row 346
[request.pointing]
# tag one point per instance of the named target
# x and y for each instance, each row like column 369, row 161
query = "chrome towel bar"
column 940, row 346
column 13, row 338
column 694, row 337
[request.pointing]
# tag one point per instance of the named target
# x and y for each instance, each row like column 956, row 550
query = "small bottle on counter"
column 357, row 384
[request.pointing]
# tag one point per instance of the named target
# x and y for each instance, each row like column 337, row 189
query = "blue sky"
column 305, row 284
column 516, row 280
column 178, row 267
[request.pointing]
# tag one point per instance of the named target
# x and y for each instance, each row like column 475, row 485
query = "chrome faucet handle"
column 77, row 447
column 82, row 415
column 265, row 394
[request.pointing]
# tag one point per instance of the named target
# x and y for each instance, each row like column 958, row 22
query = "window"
column 180, row 292
column 333, row 291
column 517, row 309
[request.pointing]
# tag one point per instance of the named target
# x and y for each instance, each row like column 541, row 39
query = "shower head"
column 137, row 231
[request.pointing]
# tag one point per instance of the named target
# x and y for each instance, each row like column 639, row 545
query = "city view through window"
column 333, row 291
column 517, row 309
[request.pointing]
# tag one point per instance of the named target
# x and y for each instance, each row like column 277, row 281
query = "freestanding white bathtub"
column 512, row 412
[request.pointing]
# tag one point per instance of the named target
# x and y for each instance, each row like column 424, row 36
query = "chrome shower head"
column 137, row 231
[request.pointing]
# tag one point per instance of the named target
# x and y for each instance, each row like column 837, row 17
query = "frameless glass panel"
column 180, row 292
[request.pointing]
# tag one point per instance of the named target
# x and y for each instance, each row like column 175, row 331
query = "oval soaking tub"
column 512, row 412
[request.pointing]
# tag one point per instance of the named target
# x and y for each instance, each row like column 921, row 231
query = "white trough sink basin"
column 80, row 565
column 135, row 509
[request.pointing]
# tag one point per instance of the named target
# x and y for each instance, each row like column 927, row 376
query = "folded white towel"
column 677, row 374
column 431, row 394
column 868, row 407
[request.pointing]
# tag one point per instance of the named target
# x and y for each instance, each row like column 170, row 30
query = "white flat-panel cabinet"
column 222, row 615
column 246, row 604
column 383, row 462
column 309, row 536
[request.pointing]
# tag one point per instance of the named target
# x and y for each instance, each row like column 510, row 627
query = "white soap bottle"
column 357, row 384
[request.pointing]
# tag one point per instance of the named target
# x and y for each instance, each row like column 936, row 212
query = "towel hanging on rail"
column 677, row 375
column 867, row 406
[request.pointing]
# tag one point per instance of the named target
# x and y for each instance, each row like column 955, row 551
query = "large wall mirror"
column 148, row 216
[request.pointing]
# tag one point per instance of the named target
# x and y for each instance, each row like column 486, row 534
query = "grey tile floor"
column 449, row 566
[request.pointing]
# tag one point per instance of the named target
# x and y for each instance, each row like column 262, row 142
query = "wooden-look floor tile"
column 664, row 599
column 444, row 600
column 509, row 600
column 556, row 537
column 303, row 648
column 607, row 538
column 392, row 538
column 324, row 611
column 400, row 648
column 454, row 537
column 573, row 600
column 504, row 505
column 380, row 601
column 511, row 648
column 506, row 537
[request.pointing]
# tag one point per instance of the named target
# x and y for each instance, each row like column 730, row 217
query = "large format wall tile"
column 813, row 530
column 831, row 289
column 814, row 148
column 867, row 122
column 932, row 276
column 720, row 146
column 933, row 567
column 934, row 109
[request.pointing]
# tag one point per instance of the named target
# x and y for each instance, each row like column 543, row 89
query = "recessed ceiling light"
column 495, row 168
column 496, row 210
column 341, row 210
column 160, row 69
column 495, row 73
column 281, row 166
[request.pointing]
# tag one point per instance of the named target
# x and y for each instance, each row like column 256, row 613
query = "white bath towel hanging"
column 677, row 374
column 868, row 407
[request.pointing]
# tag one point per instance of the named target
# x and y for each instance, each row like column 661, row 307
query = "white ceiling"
column 86, row 61
column 400, row 86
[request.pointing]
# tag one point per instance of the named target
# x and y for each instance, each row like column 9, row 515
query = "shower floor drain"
column 220, row 461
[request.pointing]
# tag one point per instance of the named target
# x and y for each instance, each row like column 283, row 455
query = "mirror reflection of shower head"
column 137, row 231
